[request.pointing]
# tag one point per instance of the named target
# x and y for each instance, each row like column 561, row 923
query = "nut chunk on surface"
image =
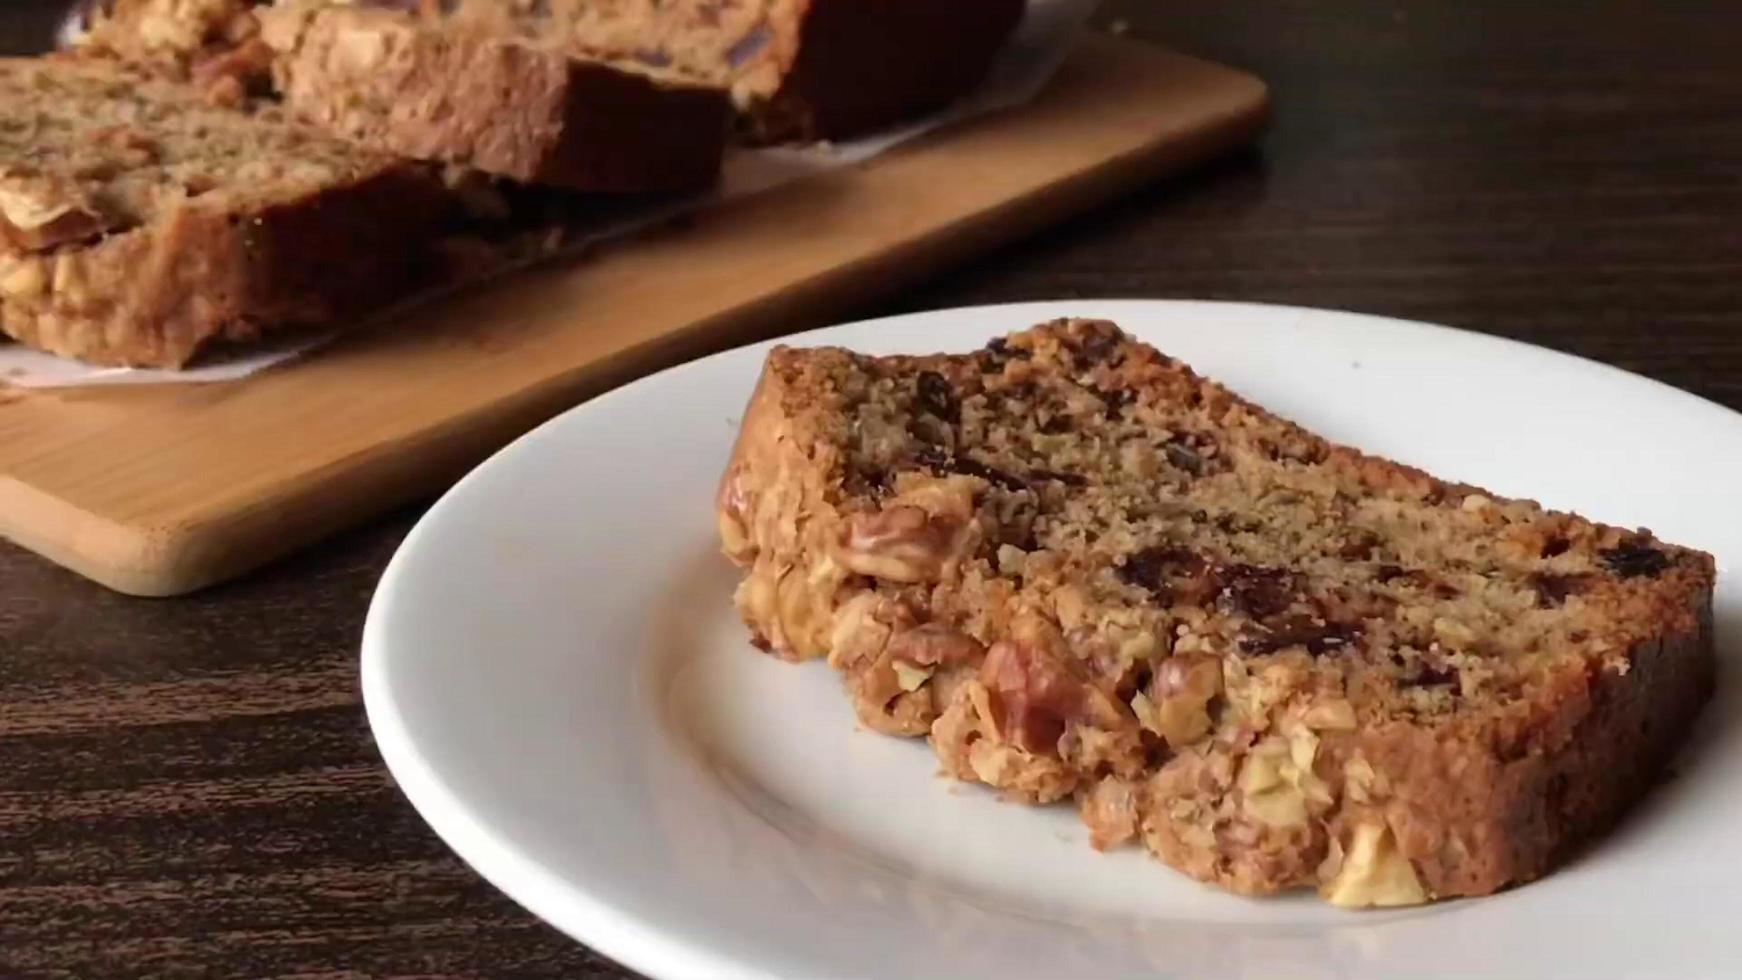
column 1084, row 572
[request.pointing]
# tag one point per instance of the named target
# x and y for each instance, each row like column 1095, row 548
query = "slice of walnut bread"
column 457, row 91
column 1085, row 572
column 139, row 223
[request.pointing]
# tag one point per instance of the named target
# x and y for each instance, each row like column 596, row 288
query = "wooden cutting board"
column 166, row 489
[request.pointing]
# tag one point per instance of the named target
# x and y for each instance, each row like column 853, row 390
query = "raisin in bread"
column 1085, row 572
column 139, row 223
column 797, row 69
column 437, row 88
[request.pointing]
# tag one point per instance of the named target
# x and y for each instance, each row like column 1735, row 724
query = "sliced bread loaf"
column 1087, row 573
column 139, row 223
column 458, row 91
column 798, row 69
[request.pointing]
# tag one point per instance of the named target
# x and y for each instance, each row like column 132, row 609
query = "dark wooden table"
column 188, row 788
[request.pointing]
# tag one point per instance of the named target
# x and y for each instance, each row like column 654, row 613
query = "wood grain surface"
column 187, row 788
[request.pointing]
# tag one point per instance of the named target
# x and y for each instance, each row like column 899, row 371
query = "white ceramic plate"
column 555, row 676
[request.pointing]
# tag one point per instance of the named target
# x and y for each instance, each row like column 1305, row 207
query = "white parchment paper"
column 1022, row 70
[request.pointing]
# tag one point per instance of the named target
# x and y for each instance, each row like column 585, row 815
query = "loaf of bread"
column 798, row 69
column 139, row 223
column 457, row 91
column 1084, row 572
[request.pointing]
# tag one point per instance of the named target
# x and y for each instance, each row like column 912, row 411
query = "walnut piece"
column 1269, row 796
column 892, row 697
column 1031, row 695
column 970, row 746
column 1035, row 693
column 917, row 537
column 933, row 644
column 1110, row 811
column 732, row 511
column 1277, row 781
column 1331, row 714
column 39, row 212
column 792, row 608
column 1360, row 782
column 1176, row 706
column 900, row 544
column 23, row 280
column 806, row 606
column 910, row 678
column 862, row 628
column 1373, row 872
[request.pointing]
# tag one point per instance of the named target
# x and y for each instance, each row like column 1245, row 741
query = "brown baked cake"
column 139, row 223
column 436, row 88
column 798, row 69
column 1085, row 572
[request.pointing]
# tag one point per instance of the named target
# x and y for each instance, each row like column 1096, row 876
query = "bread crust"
column 857, row 67
column 1293, row 771
column 1601, row 742
column 504, row 105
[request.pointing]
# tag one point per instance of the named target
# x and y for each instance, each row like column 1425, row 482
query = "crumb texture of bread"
column 1085, row 573
column 449, row 89
column 140, row 223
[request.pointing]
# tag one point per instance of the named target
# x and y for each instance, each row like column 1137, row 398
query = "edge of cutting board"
column 150, row 491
